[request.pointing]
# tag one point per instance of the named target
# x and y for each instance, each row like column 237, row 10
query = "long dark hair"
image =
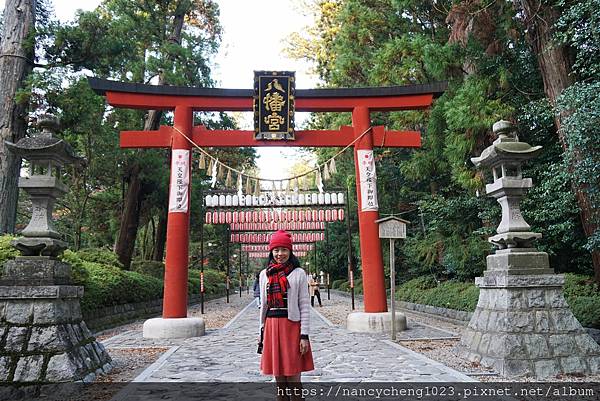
column 293, row 259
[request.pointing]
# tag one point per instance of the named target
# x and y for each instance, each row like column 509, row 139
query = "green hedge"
column 106, row 283
column 580, row 292
column 448, row 294
column 344, row 285
column 7, row 252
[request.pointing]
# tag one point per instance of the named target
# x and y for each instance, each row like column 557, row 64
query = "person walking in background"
column 314, row 290
column 284, row 318
column 256, row 288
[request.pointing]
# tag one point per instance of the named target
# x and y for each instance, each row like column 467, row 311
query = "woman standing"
column 284, row 317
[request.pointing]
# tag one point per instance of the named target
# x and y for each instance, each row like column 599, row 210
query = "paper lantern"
column 334, row 215
column 341, row 214
column 241, row 217
column 208, row 218
column 208, row 201
column 327, row 215
column 234, row 217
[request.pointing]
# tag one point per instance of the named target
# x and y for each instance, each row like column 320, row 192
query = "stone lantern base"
column 43, row 338
column 522, row 325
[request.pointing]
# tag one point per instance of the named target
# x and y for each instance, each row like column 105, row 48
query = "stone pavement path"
column 229, row 355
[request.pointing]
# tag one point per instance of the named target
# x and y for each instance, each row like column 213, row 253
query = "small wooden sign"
column 392, row 227
column 274, row 105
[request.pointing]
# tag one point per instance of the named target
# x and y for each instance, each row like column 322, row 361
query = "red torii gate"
column 185, row 100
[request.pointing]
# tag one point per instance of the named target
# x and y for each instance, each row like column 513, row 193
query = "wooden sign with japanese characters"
column 274, row 105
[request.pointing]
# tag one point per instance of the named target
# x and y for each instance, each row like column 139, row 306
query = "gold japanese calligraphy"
column 274, row 105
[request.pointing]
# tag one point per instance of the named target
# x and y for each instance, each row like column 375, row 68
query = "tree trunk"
column 15, row 64
column 130, row 218
column 555, row 62
column 161, row 237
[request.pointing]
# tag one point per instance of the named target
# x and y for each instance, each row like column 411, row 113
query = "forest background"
column 533, row 62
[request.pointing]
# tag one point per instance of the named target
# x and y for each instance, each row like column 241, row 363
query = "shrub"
column 579, row 291
column 100, row 255
column 7, row 252
column 150, row 267
column 214, row 280
column 344, row 285
column 587, row 310
column 448, row 294
column 108, row 285
column 337, row 283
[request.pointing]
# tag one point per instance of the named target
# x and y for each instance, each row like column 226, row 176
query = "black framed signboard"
column 274, row 93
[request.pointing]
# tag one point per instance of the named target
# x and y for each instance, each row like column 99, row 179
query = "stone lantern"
column 45, row 337
column 522, row 325
column 505, row 158
column 46, row 155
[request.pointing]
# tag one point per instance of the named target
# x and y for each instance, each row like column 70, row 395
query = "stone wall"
column 112, row 316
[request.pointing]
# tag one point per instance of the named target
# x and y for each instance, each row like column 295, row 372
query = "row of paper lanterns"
column 265, row 248
column 254, row 238
column 273, row 216
column 282, row 199
column 261, row 255
column 289, row 226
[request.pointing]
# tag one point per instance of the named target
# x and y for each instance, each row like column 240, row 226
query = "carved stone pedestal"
column 43, row 338
column 522, row 325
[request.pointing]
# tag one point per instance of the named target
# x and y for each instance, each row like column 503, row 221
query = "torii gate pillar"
column 370, row 250
column 174, row 322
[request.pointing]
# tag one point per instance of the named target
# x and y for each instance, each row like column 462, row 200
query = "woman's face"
column 281, row 255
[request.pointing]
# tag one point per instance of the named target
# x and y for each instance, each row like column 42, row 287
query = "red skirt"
column 281, row 349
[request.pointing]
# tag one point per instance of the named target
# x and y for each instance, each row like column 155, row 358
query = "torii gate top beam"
column 140, row 96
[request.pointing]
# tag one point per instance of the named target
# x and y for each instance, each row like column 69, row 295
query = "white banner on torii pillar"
column 180, row 181
column 368, row 181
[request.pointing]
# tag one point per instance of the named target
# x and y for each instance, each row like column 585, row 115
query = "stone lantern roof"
column 44, row 146
column 506, row 149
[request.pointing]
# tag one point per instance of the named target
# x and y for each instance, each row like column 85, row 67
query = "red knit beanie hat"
column 282, row 239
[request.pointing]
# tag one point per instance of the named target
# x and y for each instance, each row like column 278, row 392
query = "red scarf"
column 278, row 284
